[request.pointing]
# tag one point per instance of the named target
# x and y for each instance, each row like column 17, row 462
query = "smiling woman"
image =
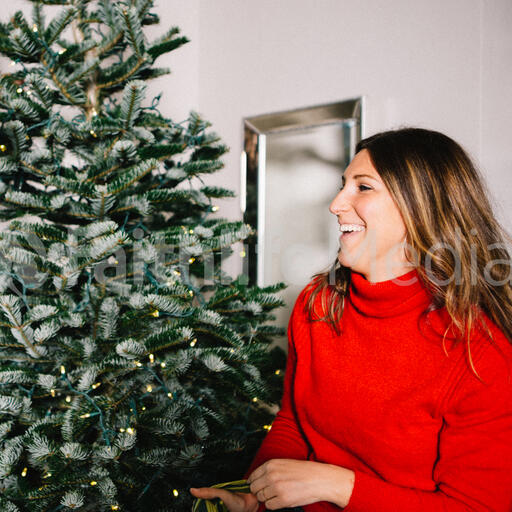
column 373, row 231
column 398, row 393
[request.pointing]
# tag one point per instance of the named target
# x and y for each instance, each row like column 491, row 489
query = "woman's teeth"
column 350, row 227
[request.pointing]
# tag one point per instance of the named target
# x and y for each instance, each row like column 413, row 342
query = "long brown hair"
column 450, row 223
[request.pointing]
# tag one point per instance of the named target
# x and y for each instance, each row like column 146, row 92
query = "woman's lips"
column 348, row 234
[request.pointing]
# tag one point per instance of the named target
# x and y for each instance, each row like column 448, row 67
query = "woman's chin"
column 347, row 262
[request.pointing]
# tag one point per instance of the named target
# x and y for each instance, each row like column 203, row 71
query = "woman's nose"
column 338, row 204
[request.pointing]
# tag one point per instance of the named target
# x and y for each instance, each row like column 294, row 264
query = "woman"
column 398, row 388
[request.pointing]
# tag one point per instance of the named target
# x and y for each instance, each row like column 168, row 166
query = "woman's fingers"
column 206, row 493
column 233, row 502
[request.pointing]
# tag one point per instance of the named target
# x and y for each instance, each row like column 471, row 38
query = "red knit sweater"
column 419, row 430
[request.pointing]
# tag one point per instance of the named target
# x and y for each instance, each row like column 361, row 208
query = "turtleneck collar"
column 388, row 298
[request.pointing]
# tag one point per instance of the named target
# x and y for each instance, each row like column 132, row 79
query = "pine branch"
column 74, row 96
column 133, row 95
column 131, row 177
column 23, row 42
column 38, row 17
column 131, row 24
column 119, row 73
column 83, row 71
column 161, row 151
column 41, row 90
column 167, row 43
column 52, row 2
column 217, row 192
column 42, row 231
column 17, row 134
column 58, row 24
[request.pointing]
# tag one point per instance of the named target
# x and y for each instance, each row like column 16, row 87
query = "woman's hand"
column 234, row 501
column 284, row 483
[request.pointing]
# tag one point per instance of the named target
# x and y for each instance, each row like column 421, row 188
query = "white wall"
column 180, row 88
column 439, row 64
column 496, row 102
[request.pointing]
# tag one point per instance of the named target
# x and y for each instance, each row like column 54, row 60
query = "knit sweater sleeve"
column 284, row 439
column 474, row 467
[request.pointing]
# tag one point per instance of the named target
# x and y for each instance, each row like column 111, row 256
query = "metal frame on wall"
column 253, row 161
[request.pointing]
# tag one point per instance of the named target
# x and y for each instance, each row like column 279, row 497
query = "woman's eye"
column 362, row 188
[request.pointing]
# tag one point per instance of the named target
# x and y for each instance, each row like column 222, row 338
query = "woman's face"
column 375, row 248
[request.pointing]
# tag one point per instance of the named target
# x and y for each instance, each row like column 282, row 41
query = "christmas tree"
column 131, row 366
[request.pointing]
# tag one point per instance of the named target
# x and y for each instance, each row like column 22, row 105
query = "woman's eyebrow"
column 361, row 176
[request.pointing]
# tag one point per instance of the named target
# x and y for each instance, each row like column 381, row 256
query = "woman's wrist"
column 341, row 485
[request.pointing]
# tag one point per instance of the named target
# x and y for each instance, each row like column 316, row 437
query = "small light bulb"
column 242, row 254
column 122, row 430
column 34, row 28
column 278, row 372
column 191, row 260
column 177, row 272
column 149, row 388
column 144, row 408
column 63, row 50
column 191, row 231
column 138, row 364
column 62, row 370
column 48, row 475
column 175, row 492
column 215, row 208
column 97, row 385
column 93, row 133
column 151, row 358
column 130, row 431
column 267, row 427
column 85, row 415
column 68, row 399
column 3, row 148
column 52, row 392
column 169, row 395
column 93, row 483
column 19, row 90
column 13, row 63
column 254, row 399
column 114, row 507
column 163, row 365
column 193, row 342
column 24, row 472
column 191, row 292
column 156, row 313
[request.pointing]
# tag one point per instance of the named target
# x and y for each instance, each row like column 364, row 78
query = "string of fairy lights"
column 131, row 430
column 107, row 433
